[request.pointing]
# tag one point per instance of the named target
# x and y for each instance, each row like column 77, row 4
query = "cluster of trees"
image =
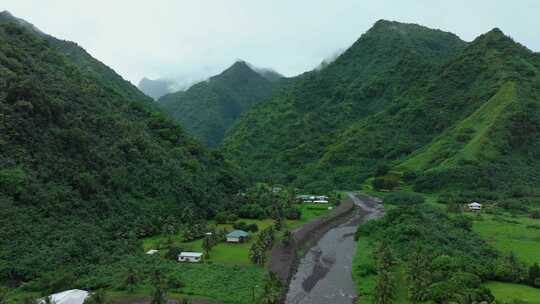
column 262, row 243
column 440, row 255
column 272, row 290
column 261, row 201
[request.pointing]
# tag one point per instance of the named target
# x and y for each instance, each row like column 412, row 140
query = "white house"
column 192, row 257
column 151, row 251
column 73, row 296
column 320, row 201
column 474, row 206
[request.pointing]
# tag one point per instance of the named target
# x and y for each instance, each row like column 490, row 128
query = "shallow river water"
column 324, row 273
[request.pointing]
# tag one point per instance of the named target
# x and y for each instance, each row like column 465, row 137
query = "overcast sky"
column 199, row 38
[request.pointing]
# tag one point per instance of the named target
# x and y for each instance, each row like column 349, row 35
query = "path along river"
column 324, row 273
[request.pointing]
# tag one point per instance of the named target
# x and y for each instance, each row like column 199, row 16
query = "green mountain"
column 209, row 108
column 78, row 56
column 459, row 115
column 85, row 171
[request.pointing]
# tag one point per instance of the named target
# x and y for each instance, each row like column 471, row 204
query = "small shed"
column 152, row 251
column 192, row 257
column 72, row 296
column 237, row 236
column 474, row 206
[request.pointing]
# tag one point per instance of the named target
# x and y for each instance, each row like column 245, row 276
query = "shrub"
column 241, row 226
column 535, row 214
column 409, row 176
column 293, row 213
column 253, row 227
column 384, row 183
column 404, row 198
column 382, row 170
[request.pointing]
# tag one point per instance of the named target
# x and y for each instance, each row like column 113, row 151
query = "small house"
column 474, row 206
column 237, row 236
column 152, row 251
column 192, row 257
column 306, row 198
column 73, row 296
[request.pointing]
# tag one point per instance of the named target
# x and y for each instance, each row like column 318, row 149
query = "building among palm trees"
column 237, row 236
column 192, row 257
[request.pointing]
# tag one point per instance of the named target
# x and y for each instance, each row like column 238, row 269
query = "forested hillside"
column 209, row 108
column 448, row 113
column 86, row 167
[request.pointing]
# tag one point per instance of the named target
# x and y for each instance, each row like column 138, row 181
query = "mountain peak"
column 497, row 39
column 6, row 16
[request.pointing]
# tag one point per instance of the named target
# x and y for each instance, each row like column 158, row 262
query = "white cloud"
column 198, row 38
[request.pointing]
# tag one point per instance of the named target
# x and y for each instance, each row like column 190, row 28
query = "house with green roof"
column 237, row 236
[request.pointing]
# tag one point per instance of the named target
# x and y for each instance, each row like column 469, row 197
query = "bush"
column 382, row 170
column 241, row 226
column 225, row 217
column 409, row 176
column 293, row 213
column 384, row 183
column 252, row 211
column 253, row 227
column 173, row 252
column 535, row 214
column 404, row 198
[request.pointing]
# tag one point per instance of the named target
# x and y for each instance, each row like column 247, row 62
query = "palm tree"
column 131, row 279
column 207, row 246
column 159, row 290
column 385, row 290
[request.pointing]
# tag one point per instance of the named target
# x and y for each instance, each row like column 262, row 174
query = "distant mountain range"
column 208, row 108
column 442, row 113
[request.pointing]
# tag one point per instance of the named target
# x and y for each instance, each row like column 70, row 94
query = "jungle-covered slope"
column 86, row 166
column 209, row 108
column 460, row 115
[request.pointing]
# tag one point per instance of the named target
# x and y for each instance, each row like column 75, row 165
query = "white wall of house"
column 233, row 239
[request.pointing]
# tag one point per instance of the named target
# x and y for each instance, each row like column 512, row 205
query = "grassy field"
column 233, row 254
column 509, row 293
column 517, row 234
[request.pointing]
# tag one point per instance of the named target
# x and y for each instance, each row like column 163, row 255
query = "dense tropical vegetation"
column 451, row 115
column 86, row 172
column 209, row 108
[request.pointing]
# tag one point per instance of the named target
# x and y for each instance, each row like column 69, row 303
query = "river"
column 324, row 273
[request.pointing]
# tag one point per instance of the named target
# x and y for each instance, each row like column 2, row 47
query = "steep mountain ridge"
column 208, row 108
column 284, row 135
column 444, row 112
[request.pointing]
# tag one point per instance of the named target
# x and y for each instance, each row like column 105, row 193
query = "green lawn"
column 511, row 234
column 508, row 292
column 234, row 254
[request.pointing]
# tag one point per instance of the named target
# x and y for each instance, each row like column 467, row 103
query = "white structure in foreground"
column 192, row 257
column 151, row 251
column 73, row 296
column 474, row 206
